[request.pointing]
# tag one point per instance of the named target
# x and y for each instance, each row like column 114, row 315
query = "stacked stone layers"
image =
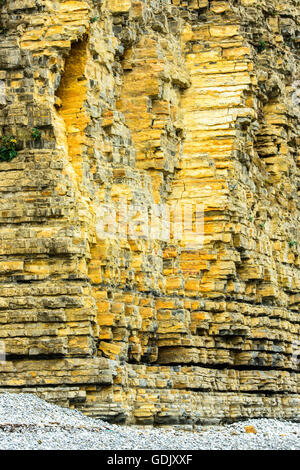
column 165, row 102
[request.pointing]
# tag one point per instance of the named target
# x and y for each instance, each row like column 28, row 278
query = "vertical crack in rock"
column 72, row 93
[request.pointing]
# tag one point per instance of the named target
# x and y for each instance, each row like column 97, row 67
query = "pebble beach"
column 29, row 423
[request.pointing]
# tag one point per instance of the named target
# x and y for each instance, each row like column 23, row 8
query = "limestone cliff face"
column 157, row 102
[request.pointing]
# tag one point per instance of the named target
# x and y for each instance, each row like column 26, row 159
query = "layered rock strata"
column 159, row 103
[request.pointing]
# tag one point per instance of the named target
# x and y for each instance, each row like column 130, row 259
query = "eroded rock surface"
column 155, row 102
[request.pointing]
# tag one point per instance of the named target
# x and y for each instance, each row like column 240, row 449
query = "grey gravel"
column 29, row 423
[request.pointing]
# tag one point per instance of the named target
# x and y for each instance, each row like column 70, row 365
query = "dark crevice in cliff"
column 226, row 367
column 99, row 385
column 43, row 357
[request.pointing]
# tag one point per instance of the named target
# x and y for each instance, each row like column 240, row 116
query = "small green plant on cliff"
column 8, row 149
column 36, row 134
column 262, row 46
column 292, row 243
column 94, row 19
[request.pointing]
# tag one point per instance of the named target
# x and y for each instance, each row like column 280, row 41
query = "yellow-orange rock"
column 177, row 103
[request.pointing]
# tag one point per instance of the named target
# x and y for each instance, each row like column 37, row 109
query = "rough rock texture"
column 157, row 101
